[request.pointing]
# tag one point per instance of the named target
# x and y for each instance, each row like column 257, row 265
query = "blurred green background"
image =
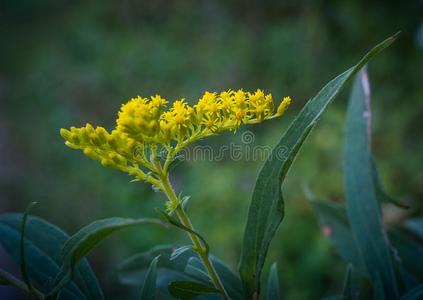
column 65, row 63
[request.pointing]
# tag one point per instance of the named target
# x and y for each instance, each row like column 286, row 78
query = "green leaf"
column 230, row 280
column 350, row 291
column 179, row 251
column 414, row 294
column 381, row 195
column 267, row 206
column 23, row 265
column 43, row 244
column 173, row 221
column 185, row 267
column 409, row 250
column 82, row 242
column 415, row 226
column 186, row 290
column 196, row 269
column 335, row 225
column 361, row 194
column 333, row 220
column 149, row 288
column 133, row 270
column 273, row 290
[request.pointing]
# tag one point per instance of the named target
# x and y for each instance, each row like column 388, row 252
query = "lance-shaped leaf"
column 273, row 290
column 23, row 265
column 134, row 269
column 230, row 280
column 173, row 221
column 335, row 225
column 148, row 291
column 267, row 205
column 350, row 291
column 43, row 244
column 361, row 194
column 82, row 242
column 410, row 251
column 187, row 290
column 382, row 196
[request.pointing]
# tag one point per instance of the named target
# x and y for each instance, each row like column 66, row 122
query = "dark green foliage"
column 148, row 291
column 363, row 208
column 414, row 294
column 267, row 204
column 350, row 291
column 187, row 290
column 273, row 290
column 133, row 270
column 334, row 222
column 184, row 267
column 22, row 255
column 82, row 242
column 68, row 62
column 43, row 246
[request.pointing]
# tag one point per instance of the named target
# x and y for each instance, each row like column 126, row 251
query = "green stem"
column 197, row 245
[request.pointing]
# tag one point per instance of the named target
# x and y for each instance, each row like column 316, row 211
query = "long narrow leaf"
column 382, row 196
column 23, row 265
column 273, row 290
column 149, row 288
column 350, row 291
column 361, row 194
column 173, row 221
column 78, row 245
column 134, row 269
column 334, row 222
column 230, row 280
column 187, row 290
column 267, row 205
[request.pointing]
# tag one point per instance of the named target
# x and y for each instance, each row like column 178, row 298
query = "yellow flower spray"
column 145, row 130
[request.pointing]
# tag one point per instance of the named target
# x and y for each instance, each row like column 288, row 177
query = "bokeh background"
column 65, row 63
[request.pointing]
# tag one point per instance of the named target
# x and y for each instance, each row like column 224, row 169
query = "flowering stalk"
column 197, row 245
column 147, row 138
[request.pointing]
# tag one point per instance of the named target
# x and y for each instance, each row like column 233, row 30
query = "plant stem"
column 197, row 245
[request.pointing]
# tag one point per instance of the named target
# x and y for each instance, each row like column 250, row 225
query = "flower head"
column 144, row 127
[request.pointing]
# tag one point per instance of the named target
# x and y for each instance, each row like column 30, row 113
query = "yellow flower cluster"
column 144, row 126
column 144, row 119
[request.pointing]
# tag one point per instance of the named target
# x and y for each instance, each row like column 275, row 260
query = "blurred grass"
column 70, row 62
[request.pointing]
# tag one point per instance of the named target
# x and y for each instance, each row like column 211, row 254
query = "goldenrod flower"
column 144, row 127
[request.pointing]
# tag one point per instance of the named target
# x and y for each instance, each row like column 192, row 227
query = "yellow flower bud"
column 66, row 134
column 283, row 106
column 101, row 134
column 91, row 153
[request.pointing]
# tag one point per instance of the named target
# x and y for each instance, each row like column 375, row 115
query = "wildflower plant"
column 149, row 135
